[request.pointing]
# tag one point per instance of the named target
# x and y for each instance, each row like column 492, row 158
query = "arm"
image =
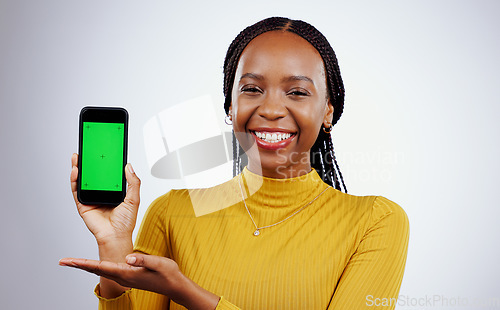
column 152, row 271
column 373, row 275
column 147, row 273
column 119, row 269
column 159, row 279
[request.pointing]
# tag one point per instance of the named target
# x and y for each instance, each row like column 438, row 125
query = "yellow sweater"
column 340, row 252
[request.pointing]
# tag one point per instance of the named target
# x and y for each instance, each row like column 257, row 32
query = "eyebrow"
column 298, row 78
column 252, row 76
column 286, row 79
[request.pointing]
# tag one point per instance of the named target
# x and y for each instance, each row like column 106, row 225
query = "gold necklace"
column 257, row 229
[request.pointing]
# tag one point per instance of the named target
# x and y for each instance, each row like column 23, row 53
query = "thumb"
column 133, row 188
column 151, row 262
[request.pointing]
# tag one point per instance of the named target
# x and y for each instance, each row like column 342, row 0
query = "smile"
column 272, row 137
column 272, row 140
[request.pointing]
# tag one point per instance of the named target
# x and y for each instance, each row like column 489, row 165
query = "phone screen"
column 102, row 156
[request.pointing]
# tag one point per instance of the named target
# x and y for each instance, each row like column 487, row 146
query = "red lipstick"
column 275, row 145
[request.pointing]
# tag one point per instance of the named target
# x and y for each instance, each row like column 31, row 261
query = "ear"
column 327, row 120
column 230, row 112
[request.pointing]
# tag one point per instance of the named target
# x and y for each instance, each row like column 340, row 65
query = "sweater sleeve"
column 225, row 305
column 373, row 275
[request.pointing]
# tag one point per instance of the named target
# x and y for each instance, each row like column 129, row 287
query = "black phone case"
column 105, row 115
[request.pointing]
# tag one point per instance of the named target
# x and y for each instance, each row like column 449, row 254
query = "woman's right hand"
column 110, row 224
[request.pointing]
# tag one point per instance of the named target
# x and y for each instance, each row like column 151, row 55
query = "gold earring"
column 327, row 130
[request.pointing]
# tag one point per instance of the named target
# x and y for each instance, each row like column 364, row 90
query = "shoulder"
column 351, row 205
column 387, row 218
column 378, row 206
column 369, row 210
column 383, row 208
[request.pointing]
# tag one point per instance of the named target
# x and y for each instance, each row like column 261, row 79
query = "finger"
column 101, row 268
column 122, row 274
column 74, row 176
column 150, row 262
column 133, row 189
column 74, row 160
column 73, row 179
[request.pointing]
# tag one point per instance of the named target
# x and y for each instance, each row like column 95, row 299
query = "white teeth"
column 272, row 137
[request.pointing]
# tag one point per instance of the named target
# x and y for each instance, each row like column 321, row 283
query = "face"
column 279, row 102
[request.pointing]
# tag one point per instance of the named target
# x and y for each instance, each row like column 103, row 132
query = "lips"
column 271, row 139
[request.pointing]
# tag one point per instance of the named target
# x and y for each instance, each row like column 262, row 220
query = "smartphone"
column 102, row 150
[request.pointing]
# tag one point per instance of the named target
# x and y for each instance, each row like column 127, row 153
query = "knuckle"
column 142, row 260
column 139, row 260
column 98, row 266
column 130, row 201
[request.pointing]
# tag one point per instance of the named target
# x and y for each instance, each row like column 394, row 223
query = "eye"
column 298, row 93
column 251, row 90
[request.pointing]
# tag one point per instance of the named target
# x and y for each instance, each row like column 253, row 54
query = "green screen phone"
column 102, row 155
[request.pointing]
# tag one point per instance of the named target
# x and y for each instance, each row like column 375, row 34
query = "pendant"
column 256, row 233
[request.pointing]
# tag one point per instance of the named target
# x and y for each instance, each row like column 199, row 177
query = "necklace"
column 257, row 229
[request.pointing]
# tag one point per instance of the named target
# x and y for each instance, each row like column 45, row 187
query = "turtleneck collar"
column 291, row 192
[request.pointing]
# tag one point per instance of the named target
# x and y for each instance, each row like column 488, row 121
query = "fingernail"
column 131, row 260
column 130, row 169
column 66, row 262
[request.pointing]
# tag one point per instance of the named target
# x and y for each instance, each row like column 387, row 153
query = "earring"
column 327, row 130
column 228, row 120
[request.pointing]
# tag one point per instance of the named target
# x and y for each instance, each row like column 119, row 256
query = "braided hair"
column 322, row 154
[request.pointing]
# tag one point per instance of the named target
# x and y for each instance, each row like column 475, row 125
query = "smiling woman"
column 287, row 236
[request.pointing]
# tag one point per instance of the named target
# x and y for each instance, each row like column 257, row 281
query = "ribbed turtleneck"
column 330, row 255
column 271, row 201
column 266, row 192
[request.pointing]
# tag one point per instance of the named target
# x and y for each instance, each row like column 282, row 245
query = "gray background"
column 420, row 124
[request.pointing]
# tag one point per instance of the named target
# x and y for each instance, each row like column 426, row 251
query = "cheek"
column 240, row 117
column 310, row 120
column 242, row 112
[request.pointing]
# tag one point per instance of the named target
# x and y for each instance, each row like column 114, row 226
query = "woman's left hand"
column 151, row 273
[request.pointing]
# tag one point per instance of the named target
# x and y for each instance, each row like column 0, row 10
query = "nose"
column 272, row 108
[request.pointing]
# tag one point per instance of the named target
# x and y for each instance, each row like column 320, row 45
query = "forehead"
column 283, row 53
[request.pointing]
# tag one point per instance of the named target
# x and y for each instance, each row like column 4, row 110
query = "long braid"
column 333, row 160
column 337, row 166
column 240, row 159
column 322, row 155
column 324, row 161
column 236, row 162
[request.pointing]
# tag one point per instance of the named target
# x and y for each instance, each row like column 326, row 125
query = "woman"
column 276, row 236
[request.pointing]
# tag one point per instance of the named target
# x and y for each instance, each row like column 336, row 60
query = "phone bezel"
column 102, row 115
